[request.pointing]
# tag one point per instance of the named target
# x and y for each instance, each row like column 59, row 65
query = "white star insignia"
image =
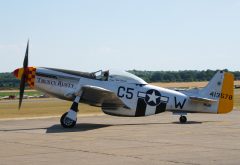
column 153, row 97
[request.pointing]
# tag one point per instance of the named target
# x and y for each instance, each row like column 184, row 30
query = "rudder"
column 225, row 103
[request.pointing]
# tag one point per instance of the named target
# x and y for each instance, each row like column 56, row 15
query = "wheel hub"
column 68, row 121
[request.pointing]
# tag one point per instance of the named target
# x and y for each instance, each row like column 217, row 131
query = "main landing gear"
column 67, row 122
column 183, row 119
column 69, row 119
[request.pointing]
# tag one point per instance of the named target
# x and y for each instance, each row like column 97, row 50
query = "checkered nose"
column 18, row 73
column 29, row 71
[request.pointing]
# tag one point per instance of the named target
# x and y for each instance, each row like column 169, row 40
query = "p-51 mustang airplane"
column 125, row 94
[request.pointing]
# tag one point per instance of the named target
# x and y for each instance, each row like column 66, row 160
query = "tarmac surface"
column 103, row 140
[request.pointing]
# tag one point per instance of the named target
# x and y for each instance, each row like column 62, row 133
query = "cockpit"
column 101, row 75
column 117, row 76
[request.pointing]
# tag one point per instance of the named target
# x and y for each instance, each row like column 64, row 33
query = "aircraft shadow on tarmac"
column 57, row 128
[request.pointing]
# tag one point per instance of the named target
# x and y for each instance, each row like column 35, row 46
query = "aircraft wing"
column 98, row 96
column 201, row 99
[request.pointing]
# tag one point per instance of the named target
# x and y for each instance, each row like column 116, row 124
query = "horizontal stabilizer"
column 201, row 99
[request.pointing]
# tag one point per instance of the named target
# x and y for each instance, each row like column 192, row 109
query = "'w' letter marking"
column 179, row 104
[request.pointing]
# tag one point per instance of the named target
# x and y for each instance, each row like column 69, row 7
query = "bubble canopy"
column 123, row 76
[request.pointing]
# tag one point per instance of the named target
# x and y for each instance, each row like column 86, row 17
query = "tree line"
column 7, row 80
column 179, row 76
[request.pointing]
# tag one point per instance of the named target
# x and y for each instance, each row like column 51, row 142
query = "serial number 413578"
column 222, row 95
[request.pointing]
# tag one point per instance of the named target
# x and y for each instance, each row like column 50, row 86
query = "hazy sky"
column 89, row 35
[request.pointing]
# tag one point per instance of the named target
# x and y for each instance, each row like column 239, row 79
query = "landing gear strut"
column 69, row 119
column 183, row 119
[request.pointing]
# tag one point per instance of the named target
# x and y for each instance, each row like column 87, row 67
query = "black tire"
column 66, row 122
column 183, row 119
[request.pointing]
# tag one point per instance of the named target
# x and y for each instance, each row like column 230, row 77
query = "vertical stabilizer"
column 220, row 88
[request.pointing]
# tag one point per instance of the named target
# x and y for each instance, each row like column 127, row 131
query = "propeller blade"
column 22, row 87
column 25, row 62
column 24, row 76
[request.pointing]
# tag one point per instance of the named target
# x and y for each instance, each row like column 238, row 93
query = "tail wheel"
column 67, row 122
column 183, row 119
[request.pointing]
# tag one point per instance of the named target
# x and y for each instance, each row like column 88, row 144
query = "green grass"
column 16, row 93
